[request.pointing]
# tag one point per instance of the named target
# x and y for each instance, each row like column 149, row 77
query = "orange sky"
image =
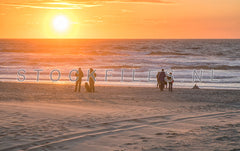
column 121, row 18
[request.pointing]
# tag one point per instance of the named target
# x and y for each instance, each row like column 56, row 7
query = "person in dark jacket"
column 161, row 79
column 79, row 76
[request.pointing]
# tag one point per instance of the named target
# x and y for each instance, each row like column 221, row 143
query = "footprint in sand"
column 159, row 134
column 130, row 144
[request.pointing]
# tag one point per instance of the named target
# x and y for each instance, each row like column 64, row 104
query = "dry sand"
column 53, row 117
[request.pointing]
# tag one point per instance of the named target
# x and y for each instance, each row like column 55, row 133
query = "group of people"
column 90, row 87
column 164, row 79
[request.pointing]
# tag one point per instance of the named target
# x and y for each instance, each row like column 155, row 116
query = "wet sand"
column 53, row 117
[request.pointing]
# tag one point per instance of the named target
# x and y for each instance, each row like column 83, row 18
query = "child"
column 170, row 81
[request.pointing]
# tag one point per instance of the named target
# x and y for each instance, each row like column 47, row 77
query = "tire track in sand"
column 136, row 124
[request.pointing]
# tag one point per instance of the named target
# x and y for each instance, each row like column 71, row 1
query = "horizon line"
column 119, row 38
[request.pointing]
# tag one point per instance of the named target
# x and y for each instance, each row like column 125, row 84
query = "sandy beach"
column 54, row 117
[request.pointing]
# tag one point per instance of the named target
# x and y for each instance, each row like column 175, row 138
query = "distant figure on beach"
column 91, row 86
column 92, row 81
column 79, row 76
column 161, row 79
column 87, row 87
column 158, row 85
column 170, row 81
column 158, row 82
column 165, row 82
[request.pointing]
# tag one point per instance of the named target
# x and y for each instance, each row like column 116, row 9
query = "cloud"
column 126, row 1
column 49, row 5
column 73, row 4
column 142, row 1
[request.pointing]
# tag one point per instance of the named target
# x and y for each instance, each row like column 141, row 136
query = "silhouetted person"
column 165, row 82
column 79, row 76
column 158, row 82
column 161, row 78
column 91, row 80
column 170, row 81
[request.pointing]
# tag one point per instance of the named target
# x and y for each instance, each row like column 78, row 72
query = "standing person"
column 91, row 80
column 79, row 76
column 170, row 81
column 158, row 82
column 165, row 82
column 161, row 78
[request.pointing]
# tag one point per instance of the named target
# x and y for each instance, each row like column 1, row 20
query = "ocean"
column 209, row 63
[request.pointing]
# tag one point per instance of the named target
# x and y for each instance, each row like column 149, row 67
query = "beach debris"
column 195, row 87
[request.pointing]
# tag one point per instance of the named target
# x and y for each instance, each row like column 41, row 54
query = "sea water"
column 209, row 63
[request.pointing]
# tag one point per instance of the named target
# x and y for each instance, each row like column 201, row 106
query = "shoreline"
column 130, row 84
column 63, row 92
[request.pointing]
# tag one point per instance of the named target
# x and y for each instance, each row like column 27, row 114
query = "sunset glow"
column 140, row 19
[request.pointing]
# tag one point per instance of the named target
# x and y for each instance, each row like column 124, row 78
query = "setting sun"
column 60, row 23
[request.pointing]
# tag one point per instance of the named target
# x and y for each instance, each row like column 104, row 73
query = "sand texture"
column 54, row 117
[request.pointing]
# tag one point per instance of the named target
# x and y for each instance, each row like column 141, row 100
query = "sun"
column 60, row 23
